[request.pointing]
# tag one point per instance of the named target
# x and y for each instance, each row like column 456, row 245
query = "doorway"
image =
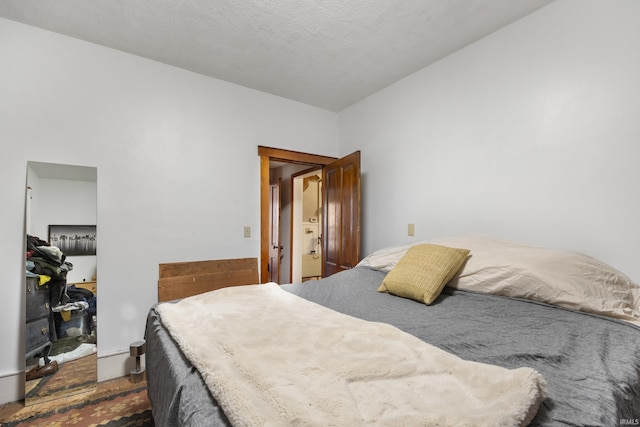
column 284, row 205
column 306, row 225
column 340, row 213
column 271, row 158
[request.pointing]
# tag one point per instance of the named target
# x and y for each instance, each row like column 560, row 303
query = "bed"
column 565, row 316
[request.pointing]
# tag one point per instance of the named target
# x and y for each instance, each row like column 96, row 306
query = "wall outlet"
column 247, row 231
column 411, row 230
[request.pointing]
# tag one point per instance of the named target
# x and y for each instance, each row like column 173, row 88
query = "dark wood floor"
column 18, row 410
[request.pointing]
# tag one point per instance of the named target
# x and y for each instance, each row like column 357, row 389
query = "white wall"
column 178, row 169
column 530, row 134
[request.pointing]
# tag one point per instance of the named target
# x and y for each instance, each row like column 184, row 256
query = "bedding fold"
column 272, row 358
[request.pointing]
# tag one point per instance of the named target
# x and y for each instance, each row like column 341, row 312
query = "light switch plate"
column 247, row 231
column 411, row 230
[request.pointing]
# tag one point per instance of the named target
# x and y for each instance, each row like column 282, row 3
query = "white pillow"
column 386, row 258
column 567, row 279
column 563, row 278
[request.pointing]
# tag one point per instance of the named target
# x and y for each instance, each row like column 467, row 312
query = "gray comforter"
column 591, row 364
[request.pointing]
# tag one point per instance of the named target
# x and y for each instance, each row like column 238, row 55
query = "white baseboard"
column 110, row 366
column 12, row 387
column 115, row 365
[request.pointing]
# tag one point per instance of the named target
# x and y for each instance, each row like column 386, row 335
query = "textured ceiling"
column 326, row 53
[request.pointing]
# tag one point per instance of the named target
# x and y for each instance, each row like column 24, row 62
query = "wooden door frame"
column 268, row 154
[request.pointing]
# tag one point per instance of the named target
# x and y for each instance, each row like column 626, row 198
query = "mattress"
column 591, row 363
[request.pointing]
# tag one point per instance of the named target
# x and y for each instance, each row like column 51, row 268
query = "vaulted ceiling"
column 326, row 53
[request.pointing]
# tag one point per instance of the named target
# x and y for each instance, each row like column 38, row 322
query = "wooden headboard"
column 183, row 279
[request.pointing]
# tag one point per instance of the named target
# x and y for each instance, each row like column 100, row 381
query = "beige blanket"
column 271, row 358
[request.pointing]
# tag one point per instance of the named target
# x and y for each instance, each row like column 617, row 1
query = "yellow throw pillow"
column 423, row 271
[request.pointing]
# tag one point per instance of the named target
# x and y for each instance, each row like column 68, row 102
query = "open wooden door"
column 274, row 232
column 341, row 217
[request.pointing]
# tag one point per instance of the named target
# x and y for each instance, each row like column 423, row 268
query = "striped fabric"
column 423, row 271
